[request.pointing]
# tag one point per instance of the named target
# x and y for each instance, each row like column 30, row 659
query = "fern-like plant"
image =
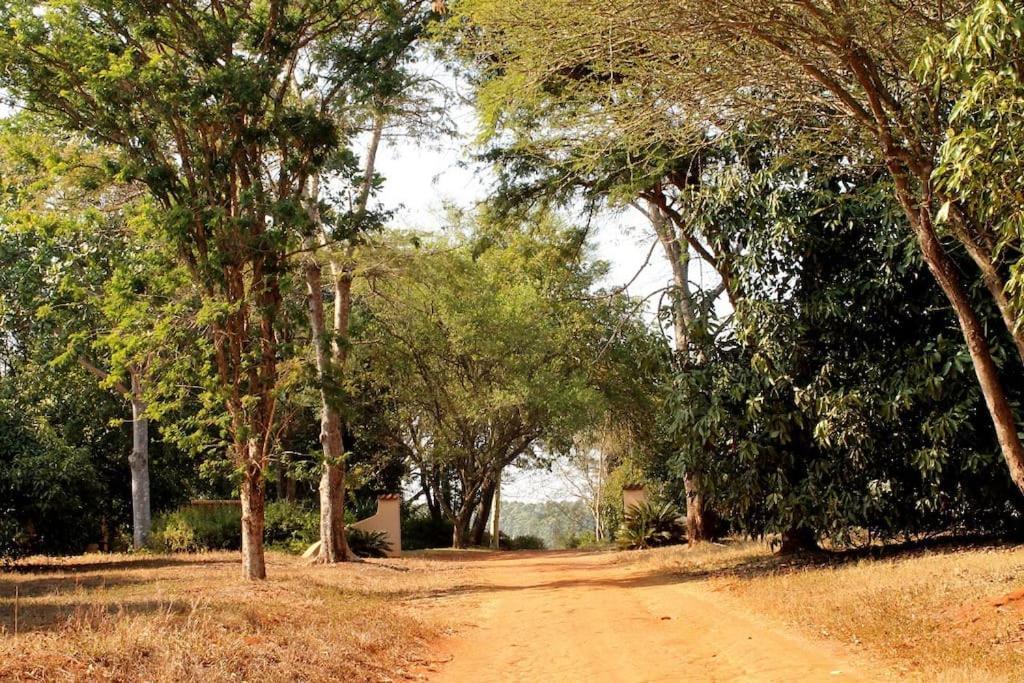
column 368, row 543
column 651, row 525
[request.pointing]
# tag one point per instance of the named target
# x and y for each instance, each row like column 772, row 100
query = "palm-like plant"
column 651, row 525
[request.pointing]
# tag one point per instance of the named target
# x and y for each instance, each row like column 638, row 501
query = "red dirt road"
column 562, row 616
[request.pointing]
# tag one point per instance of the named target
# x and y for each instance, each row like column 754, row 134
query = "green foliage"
column 12, row 537
column 844, row 402
column 585, row 541
column 526, row 542
column 421, row 532
column 197, row 528
column 651, row 525
column 976, row 65
column 291, row 527
column 368, row 543
column 490, row 342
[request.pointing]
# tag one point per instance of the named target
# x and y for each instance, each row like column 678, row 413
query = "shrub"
column 368, row 543
column 420, row 532
column 12, row 538
column 651, row 525
column 194, row 528
column 291, row 527
column 525, row 542
column 585, row 541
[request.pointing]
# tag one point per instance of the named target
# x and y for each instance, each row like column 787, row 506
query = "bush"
column 651, row 525
column 585, row 541
column 525, row 542
column 195, row 528
column 420, row 532
column 12, row 538
column 291, row 527
column 368, row 543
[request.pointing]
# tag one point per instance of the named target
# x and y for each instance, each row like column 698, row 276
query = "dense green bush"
column 420, row 532
column 585, row 541
column 194, row 528
column 526, row 542
column 291, row 527
column 651, row 525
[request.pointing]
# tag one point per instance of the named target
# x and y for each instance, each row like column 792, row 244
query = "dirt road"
column 562, row 616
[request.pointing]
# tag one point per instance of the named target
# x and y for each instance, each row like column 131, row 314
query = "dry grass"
column 928, row 614
column 191, row 617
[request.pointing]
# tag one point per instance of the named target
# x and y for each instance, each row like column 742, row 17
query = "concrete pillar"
column 387, row 519
column 633, row 495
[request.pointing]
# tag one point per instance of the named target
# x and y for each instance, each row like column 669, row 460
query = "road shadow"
column 627, row 570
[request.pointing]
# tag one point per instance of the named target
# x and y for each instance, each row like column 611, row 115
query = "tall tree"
column 655, row 75
column 337, row 225
column 199, row 99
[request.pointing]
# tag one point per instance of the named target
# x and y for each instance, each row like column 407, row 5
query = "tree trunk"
column 798, row 539
column 254, row 565
column 333, row 545
column 483, row 513
column 138, row 462
column 460, row 528
column 698, row 522
column 683, row 316
column 946, row 275
column 496, row 526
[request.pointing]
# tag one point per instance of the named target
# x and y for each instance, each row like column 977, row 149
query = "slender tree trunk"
column 253, row 494
column 138, row 462
column 698, row 529
column 496, row 527
column 945, row 273
column 333, row 545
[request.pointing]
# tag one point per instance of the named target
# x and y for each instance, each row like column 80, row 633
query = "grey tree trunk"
column 138, row 462
column 496, row 525
column 333, row 545
column 253, row 496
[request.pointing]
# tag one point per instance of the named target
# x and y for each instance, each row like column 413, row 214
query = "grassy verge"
column 190, row 617
column 945, row 614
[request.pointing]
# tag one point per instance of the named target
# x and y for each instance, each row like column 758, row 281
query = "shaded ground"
column 192, row 617
column 594, row 617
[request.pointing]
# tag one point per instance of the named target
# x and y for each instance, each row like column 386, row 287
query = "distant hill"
column 553, row 520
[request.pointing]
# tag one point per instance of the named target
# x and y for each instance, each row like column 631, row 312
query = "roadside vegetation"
column 943, row 610
column 217, row 334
